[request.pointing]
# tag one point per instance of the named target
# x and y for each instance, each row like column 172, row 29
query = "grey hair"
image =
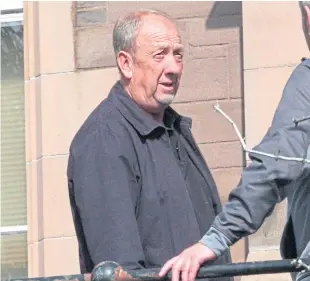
column 126, row 29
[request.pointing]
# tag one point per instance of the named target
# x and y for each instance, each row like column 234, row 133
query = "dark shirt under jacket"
column 198, row 188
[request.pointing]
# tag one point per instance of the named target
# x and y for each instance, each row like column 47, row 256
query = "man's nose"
column 173, row 65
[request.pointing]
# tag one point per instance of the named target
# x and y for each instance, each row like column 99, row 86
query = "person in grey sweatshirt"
column 266, row 182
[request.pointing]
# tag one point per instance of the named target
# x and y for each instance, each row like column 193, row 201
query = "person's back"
column 295, row 240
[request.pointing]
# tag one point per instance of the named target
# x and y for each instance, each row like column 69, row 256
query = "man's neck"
column 158, row 116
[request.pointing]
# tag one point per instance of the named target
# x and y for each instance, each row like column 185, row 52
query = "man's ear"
column 125, row 64
column 307, row 12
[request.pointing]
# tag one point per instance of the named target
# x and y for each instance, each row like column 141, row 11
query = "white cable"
column 217, row 108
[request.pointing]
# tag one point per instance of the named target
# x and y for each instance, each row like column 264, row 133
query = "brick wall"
column 211, row 33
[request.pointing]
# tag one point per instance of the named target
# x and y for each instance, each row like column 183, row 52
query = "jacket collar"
column 140, row 119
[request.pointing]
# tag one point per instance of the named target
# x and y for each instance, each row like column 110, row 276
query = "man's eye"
column 159, row 55
column 179, row 56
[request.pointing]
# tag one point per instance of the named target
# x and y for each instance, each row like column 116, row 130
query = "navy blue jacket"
column 128, row 196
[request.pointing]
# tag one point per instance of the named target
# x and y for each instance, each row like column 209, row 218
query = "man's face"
column 157, row 64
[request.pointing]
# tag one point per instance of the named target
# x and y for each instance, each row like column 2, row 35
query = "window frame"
column 11, row 5
column 15, row 229
column 4, row 18
column 14, row 13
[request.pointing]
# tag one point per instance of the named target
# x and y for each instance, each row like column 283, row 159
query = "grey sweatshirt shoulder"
column 267, row 181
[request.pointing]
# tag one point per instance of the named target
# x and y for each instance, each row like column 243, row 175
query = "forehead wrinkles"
column 154, row 32
column 160, row 40
column 175, row 44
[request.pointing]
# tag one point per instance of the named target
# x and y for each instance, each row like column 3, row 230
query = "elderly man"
column 139, row 188
column 265, row 182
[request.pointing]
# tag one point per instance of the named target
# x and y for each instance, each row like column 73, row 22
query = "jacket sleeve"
column 106, row 191
column 266, row 181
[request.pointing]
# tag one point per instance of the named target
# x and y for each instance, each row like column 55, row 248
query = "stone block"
column 55, row 37
column 33, row 117
column 90, row 4
column 34, row 198
column 226, row 180
column 274, row 39
column 58, row 221
column 222, row 154
column 261, row 85
column 200, row 34
column 31, row 35
column 214, row 51
column 60, row 256
column 235, row 72
column 210, row 126
column 238, row 253
column 60, row 112
column 94, row 47
column 36, row 261
column 93, row 17
column 176, row 10
column 203, row 80
column 226, row 8
column 93, row 86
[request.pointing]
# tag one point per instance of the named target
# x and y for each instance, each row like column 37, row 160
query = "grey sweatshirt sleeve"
column 106, row 191
column 266, row 181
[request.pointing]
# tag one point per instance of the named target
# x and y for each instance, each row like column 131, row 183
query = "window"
column 13, row 227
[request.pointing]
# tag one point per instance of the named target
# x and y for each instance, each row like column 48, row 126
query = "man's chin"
column 165, row 99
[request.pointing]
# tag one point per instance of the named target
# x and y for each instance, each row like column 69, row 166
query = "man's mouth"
column 168, row 85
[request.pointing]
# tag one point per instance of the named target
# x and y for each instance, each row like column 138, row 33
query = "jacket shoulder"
column 300, row 76
column 105, row 122
column 305, row 62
